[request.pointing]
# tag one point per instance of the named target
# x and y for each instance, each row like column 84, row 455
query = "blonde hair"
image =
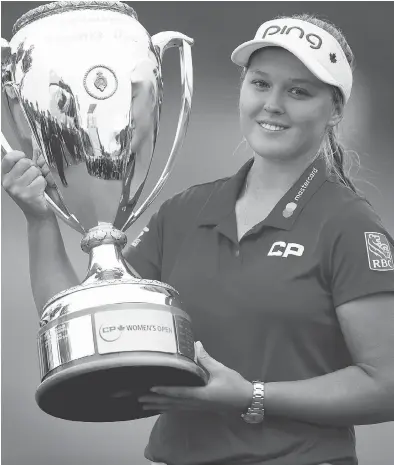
column 338, row 160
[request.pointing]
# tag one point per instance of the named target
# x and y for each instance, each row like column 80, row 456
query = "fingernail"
column 200, row 346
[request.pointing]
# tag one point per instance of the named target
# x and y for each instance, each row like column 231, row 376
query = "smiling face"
column 284, row 108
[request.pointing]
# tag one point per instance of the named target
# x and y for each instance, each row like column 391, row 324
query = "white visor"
column 316, row 48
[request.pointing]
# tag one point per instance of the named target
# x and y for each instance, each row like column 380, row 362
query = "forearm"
column 50, row 267
column 345, row 397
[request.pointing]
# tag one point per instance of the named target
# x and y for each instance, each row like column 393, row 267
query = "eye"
column 299, row 92
column 260, row 84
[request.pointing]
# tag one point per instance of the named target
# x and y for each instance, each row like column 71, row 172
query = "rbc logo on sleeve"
column 379, row 253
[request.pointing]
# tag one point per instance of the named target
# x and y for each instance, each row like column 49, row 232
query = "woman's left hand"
column 226, row 391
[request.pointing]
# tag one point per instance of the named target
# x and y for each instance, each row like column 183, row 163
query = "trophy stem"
column 104, row 244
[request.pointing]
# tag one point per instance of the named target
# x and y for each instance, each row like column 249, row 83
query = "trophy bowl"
column 82, row 83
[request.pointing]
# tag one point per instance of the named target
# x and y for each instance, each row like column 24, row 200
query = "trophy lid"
column 61, row 7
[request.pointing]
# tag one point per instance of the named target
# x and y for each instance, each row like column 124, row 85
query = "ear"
column 337, row 113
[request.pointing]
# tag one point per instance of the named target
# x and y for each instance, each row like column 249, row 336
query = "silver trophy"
column 82, row 81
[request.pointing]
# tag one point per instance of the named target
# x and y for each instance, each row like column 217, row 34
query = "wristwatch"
column 255, row 413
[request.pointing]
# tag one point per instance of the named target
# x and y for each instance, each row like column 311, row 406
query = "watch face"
column 253, row 418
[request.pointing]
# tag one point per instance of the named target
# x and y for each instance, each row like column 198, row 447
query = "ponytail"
column 338, row 160
column 336, row 156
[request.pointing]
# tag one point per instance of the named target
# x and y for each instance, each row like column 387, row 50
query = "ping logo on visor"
column 379, row 254
column 314, row 40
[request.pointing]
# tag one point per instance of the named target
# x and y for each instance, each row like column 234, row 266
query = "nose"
column 273, row 103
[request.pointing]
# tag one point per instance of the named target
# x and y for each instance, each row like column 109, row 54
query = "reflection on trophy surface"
column 82, row 82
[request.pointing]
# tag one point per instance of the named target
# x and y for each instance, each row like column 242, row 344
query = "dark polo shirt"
column 264, row 306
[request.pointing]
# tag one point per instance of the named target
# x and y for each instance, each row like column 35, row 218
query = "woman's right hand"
column 25, row 182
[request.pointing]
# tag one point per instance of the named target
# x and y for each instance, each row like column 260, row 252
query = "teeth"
column 270, row 127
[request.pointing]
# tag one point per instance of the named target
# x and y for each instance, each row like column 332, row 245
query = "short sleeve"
column 145, row 253
column 359, row 254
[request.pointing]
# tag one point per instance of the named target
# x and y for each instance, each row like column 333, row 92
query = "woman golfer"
column 286, row 272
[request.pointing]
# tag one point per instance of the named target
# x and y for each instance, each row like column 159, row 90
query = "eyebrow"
column 302, row 81
column 294, row 80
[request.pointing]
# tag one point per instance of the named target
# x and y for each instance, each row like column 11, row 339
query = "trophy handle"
column 52, row 195
column 163, row 41
column 5, row 55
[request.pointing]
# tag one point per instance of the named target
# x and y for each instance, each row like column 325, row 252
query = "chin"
column 273, row 151
column 274, row 156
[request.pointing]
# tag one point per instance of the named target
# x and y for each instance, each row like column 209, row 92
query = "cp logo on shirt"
column 281, row 249
column 379, row 253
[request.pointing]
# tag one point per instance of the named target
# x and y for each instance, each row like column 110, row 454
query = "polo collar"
column 285, row 213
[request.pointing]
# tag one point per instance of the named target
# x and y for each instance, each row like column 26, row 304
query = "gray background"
column 210, row 151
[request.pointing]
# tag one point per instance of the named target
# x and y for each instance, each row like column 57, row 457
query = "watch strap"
column 255, row 412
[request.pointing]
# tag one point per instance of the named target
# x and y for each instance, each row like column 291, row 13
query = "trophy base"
column 107, row 390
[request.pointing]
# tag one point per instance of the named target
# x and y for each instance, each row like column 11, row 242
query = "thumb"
column 205, row 359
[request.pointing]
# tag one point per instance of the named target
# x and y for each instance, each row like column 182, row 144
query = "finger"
column 37, row 186
column 10, row 159
column 36, row 154
column 29, row 176
column 178, row 392
column 11, row 180
column 160, row 409
column 42, row 165
column 172, row 407
column 159, row 400
column 46, row 172
column 41, row 161
column 50, row 181
column 44, row 169
column 20, row 167
column 28, row 186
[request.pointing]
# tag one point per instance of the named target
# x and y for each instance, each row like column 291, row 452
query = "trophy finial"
column 64, row 6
